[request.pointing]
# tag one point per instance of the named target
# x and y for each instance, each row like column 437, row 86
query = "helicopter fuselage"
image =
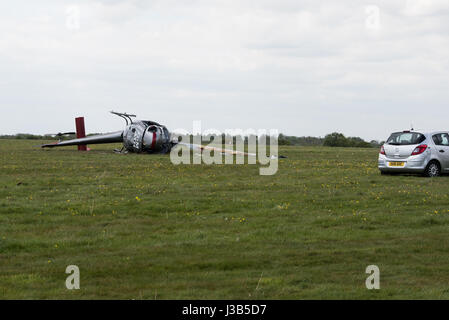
column 147, row 137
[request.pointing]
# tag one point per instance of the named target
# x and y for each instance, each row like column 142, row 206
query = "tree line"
column 334, row 139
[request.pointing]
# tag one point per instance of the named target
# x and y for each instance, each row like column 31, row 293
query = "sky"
column 303, row 67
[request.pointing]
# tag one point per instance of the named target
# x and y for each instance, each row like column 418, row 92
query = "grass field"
column 139, row 227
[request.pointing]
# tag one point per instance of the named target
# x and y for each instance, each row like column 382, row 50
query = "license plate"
column 397, row 164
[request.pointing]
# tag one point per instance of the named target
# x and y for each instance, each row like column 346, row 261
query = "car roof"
column 436, row 132
column 426, row 133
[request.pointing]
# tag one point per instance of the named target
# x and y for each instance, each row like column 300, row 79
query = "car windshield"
column 405, row 138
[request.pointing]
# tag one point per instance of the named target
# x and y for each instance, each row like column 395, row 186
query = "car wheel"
column 432, row 170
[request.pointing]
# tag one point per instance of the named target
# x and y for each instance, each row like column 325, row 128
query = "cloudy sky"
column 302, row 67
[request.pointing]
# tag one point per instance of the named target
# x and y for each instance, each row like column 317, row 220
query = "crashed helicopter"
column 143, row 136
column 139, row 136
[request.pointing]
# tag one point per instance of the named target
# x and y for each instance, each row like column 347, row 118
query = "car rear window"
column 406, row 138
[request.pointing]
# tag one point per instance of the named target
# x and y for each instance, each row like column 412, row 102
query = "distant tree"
column 300, row 141
column 375, row 143
column 29, row 136
column 283, row 140
column 357, row 142
column 335, row 139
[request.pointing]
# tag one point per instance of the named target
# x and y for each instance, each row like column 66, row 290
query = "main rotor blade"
column 234, row 152
column 201, row 147
column 97, row 139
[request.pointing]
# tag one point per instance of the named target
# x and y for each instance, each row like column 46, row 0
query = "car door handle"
column 442, row 151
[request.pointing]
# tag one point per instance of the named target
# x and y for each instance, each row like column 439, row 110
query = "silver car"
column 414, row 152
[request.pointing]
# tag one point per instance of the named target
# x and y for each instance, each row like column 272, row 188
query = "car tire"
column 433, row 169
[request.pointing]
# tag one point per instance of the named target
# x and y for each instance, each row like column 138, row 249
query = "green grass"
column 220, row 231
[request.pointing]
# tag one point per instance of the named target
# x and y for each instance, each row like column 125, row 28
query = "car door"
column 442, row 146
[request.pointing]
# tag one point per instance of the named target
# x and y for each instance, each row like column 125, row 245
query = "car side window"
column 445, row 139
column 441, row 139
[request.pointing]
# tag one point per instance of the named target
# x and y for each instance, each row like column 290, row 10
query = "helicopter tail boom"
column 97, row 139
